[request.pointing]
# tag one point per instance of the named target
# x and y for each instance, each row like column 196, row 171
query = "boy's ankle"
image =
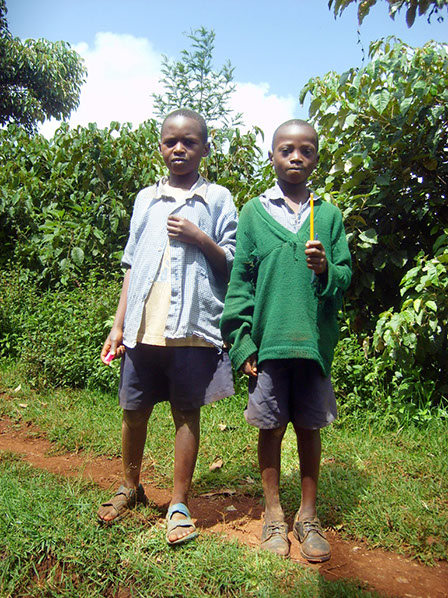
column 308, row 513
column 274, row 515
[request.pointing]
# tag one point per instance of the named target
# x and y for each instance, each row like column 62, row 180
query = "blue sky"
column 274, row 47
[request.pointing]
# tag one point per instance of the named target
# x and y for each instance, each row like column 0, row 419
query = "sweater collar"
column 301, row 234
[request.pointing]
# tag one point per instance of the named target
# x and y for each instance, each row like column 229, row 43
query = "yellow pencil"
column 312, row 217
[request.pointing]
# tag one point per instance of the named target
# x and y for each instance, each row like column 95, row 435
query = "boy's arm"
column 237, row 318
column 336, row 277
column 114, row 342
column 183, row 230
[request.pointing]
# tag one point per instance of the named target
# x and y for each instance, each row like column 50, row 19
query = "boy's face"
column 182, row 145
column 294, row 153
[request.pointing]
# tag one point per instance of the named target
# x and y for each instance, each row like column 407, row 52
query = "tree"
column 65, row 203
column 384, row 148
column 384, row 130
column 39, row 79
column 413, row 6
column 191, row 82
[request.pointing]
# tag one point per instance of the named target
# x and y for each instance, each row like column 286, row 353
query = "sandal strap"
column 125, row 491
column 178, row 508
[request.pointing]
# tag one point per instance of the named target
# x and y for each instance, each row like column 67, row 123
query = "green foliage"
column 39, row 79
column 57, row 335
column 384, row 133
column 192, row 82
column 236, row 162
column 413, row 341
column 65, row 204
column 359, row 387
column 412, row 8
column 376, row 389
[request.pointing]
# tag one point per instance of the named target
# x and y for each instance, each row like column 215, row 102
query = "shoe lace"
column 275, row 527
column 312, row 525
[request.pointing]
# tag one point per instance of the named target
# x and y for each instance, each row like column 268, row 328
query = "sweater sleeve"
column 339, row 270
column 236, row 321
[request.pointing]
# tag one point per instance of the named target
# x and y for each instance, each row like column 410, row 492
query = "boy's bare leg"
column 309, row 448
column 133, row 437
column 307, row 528
column 269, row 459
column 186, row 447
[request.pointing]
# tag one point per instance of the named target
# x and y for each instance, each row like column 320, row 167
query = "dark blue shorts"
column 187, row 377
column 290, row 390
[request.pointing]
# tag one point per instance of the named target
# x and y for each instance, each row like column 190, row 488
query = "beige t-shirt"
column 157, row 304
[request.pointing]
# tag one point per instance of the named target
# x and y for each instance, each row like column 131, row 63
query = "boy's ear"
column 160, row 146
column 270, row 156
column 206, row 149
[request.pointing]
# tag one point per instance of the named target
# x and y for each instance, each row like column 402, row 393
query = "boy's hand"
column 183, row 230
column 249, row 367
column 113, row 345
column 315, row 257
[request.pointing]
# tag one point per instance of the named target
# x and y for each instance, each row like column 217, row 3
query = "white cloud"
column 124, row 70
column 262, row 109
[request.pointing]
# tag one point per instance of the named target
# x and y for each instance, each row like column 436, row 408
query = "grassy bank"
column 386, row 487
column 50, row 546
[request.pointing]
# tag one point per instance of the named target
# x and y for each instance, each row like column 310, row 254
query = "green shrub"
column 357, row 385
column 65, row 203
column 58, row 334
column 413, row 340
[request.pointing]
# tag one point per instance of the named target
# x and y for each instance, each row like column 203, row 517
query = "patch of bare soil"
column 239, row 516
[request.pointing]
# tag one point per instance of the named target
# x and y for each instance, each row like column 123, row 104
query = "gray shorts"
column 187, row 377
column 290, row 390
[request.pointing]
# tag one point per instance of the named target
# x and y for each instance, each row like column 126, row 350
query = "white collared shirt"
column 197, row 292
column 274, row 202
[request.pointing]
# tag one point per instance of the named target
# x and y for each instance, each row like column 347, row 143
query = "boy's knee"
column 136, row 419
column 307, row 432
column 189, row 418
column 273, row 433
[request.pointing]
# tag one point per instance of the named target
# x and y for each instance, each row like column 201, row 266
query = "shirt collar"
column 275, row 193
column 199, row 189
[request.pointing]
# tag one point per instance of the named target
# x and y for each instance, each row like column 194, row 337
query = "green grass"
column 386, row 487
column 50, row 545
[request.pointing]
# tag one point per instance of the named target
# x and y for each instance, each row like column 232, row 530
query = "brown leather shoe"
column 313, row 544
column 274, row 538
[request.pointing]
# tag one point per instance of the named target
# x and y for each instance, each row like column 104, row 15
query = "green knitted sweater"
column 272, row 306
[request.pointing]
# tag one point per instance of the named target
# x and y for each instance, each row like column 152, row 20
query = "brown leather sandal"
column 123, row 500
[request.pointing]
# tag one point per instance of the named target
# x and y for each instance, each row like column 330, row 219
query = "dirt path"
column 240, row 516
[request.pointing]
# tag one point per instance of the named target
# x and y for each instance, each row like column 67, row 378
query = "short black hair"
column 187, row 113
column 299, row 123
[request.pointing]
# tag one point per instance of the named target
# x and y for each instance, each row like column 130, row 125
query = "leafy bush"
column 58, row 334
column 384, row 137
column 413, row 341
column 65, row 204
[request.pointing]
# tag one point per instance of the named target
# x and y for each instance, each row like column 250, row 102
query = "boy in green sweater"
column 280, row 318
